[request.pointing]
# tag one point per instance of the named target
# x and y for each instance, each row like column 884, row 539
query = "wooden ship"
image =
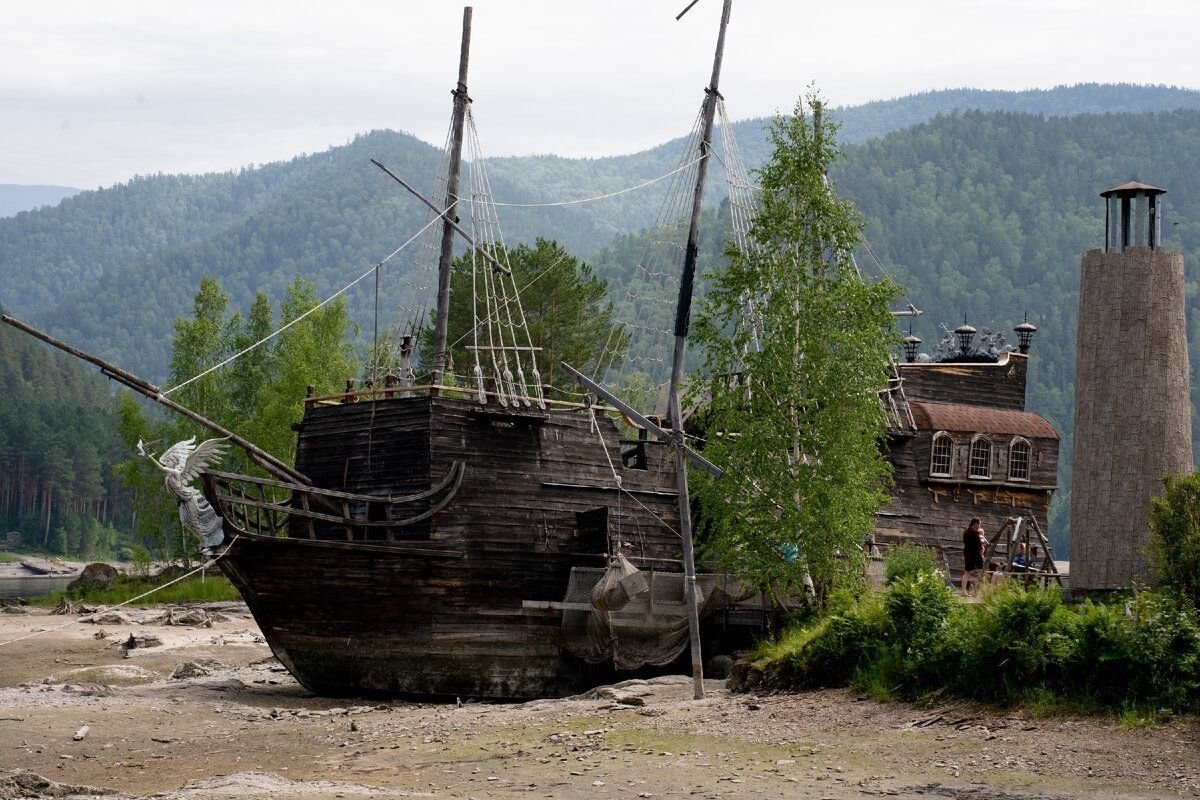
column 962, row 445
column 448, row 540
column 482, row 541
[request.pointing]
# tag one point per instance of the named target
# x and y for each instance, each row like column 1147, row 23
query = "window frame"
column 1012, row 446
column 941, row 436
column 971, row 473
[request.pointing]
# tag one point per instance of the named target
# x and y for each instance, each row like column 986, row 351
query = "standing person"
column 974, row 543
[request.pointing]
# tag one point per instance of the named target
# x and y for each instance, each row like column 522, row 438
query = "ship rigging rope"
column 582, row 200
column 318, row 306
column 617, row 478
column 107, row 609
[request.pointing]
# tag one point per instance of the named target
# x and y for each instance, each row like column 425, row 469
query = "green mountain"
column 15, row 198
column 111, row 269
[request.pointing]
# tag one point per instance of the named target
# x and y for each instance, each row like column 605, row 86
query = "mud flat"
column 233, row 724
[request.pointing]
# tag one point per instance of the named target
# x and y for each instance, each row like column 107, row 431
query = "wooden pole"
column 446, row 258
column 683, row 313
column 147, row 389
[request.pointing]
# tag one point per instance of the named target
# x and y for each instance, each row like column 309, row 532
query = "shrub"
column 1104, row 661
column 1019, row 645
column 1175, row 535
column 830, row 651
column 908, row 561
column 1165, row 643
column 1021, row 638
column 917, row 610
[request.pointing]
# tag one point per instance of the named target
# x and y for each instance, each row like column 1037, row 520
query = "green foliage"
column 1175, row 535
column 563, row 305
column 918, row 608
column 791, row 408
column 905, row 561
column 214, row 588
column 1015, row 640
column 141, row 561
column 57, row 442
column 829, row 651
column 1018, row 646
column 259, row 395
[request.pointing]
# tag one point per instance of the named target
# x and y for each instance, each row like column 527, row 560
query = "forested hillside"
column 111, row 269
column 58, row 441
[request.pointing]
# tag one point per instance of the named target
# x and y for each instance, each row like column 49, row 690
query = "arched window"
column 981, row 458
column 1018, row 460
column 941, row 456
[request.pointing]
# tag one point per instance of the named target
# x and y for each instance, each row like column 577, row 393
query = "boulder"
column 94, row 576
column 719, row 667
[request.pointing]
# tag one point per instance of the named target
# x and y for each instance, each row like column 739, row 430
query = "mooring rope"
column 107, row 609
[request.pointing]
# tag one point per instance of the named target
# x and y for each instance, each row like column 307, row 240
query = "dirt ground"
column 247, row 730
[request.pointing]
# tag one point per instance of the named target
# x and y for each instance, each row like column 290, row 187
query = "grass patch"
column 210, row 589
column 9, row 558
column 1134, row 717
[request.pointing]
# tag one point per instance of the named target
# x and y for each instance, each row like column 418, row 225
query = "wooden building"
column 963, row 445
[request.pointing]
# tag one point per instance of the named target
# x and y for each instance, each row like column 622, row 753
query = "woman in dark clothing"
column 973, row 547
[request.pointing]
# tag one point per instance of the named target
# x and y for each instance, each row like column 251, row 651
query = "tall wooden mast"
column 441, row 320
column 683, row 313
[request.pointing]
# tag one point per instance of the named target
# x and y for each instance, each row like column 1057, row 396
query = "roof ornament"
column 958, row 345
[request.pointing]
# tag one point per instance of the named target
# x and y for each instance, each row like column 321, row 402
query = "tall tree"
column 316, row 351
column 796, row 347
column 563, row 304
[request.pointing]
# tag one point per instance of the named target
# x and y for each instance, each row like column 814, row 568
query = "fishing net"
column 634, row 618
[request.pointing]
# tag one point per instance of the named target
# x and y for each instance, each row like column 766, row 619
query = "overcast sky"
column 95, row 92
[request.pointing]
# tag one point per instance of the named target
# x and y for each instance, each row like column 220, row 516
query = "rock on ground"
column 94, row 576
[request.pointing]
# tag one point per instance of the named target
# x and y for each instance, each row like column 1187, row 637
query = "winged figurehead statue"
column 182, row 463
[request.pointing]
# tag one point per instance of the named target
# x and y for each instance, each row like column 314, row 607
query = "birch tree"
column 796, row 347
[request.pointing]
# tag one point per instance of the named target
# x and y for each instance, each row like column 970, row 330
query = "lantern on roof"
column 911, row 343
column 965, row 334
column 1025, row 332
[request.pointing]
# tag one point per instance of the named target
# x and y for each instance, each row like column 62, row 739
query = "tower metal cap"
column 1132, row 188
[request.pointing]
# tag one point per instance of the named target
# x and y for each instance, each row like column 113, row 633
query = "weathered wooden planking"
column 934, row 510
column 999, row 385
column 348, row 620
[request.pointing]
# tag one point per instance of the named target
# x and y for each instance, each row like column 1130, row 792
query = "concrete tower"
column 1133, row 419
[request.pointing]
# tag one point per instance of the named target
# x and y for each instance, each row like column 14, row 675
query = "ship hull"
column 468, row 601
column 345, row 621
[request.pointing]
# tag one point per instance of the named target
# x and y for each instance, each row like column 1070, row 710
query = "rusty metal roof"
column 1133, row 186
column 962, row 418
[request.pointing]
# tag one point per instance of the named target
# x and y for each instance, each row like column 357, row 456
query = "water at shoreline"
column 30, row 586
